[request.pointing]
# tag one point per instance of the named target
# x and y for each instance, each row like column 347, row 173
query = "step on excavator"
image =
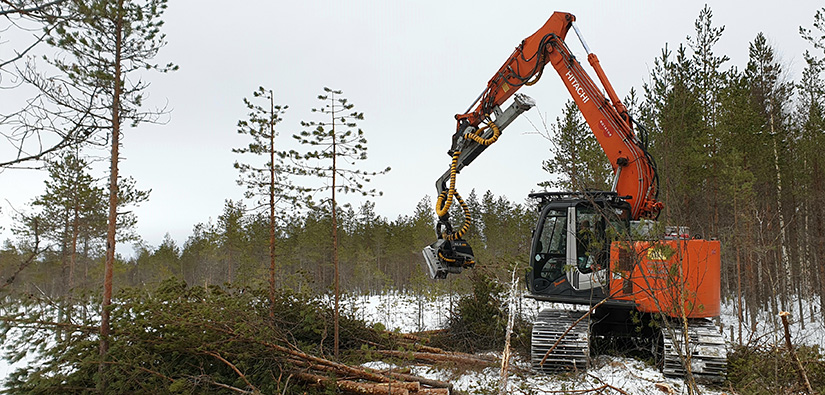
column 600, row 254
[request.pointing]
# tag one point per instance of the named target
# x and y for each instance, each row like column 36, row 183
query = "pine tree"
column 708, row 79
column 738, row 122
column 673, row 117
column 268, row 182
column 70, row 215
column 200, row 256
column 577, row 157
column 232, row 238
column 335, row 140
column 72, row 208
column 770, row 95
column 102, row 53
column 810, row 116
column 817, row 39
column 154, row 265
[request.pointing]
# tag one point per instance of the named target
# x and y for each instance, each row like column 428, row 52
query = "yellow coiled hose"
column 477, row 135
column 445, row 199
column 467, row 218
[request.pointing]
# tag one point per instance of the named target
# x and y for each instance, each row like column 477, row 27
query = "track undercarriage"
column 704, row 350
column 573, row 350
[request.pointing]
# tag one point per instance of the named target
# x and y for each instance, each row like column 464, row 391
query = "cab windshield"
column 552, row 239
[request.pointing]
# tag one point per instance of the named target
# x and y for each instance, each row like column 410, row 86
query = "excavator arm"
column 634, row 169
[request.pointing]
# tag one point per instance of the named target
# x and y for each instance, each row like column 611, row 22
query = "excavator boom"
column 635, row 177
column 608, row 119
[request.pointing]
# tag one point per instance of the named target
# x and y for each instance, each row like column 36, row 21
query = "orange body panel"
column 672, row 277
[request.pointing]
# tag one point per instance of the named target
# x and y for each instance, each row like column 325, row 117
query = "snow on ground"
column 769, row 329
column 412, row 314
column 408, row 313
column 400, row 311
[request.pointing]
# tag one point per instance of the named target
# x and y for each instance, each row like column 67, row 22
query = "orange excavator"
column 601, row 250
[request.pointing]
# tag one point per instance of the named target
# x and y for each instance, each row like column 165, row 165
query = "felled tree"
column 334, row 141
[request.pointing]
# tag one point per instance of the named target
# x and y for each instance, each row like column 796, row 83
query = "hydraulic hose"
column 445, row 199
column 477, row 135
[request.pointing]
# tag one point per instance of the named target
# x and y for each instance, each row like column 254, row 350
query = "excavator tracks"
column 572, row 352
column 706, row 349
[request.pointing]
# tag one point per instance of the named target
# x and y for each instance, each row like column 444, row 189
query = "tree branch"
column 233, row 367
column 23, row 265
column 25, row 11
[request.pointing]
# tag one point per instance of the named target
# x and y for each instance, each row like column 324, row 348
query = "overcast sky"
column 409, row 66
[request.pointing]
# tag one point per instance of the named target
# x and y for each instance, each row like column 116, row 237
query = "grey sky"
column 409, row 66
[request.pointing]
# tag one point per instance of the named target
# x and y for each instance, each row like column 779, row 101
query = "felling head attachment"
column 448, row 256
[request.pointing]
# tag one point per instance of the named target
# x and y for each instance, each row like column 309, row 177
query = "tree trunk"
column 819, row 232
column 229, row 257
column 785, row 274
column 335, row 237
column 105, row 329
column 271, row 205
column 738, row 266
column 72, row 260
column 755, row 276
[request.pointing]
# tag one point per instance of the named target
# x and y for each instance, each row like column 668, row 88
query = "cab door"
column 550, row 248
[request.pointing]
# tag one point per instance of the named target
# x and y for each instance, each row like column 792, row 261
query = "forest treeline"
column 376, row 254
column 739, row 158
column 739, row 153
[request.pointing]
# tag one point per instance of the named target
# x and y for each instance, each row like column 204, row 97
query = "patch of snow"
column 805, row 328
column 399, row 311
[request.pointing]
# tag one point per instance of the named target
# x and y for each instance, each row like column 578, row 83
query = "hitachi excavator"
column 602, row 251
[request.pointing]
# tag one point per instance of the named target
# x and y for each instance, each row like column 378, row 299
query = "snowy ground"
column 769, row 328
column 409, row 313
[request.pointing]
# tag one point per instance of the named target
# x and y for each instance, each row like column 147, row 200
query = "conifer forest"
column 258, row 298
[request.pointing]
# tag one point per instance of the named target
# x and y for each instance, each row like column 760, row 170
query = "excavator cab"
column 569, row 255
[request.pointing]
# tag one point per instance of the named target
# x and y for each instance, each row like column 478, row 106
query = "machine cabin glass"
column 596, row 228
column 550, row 244
column 585, row 248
